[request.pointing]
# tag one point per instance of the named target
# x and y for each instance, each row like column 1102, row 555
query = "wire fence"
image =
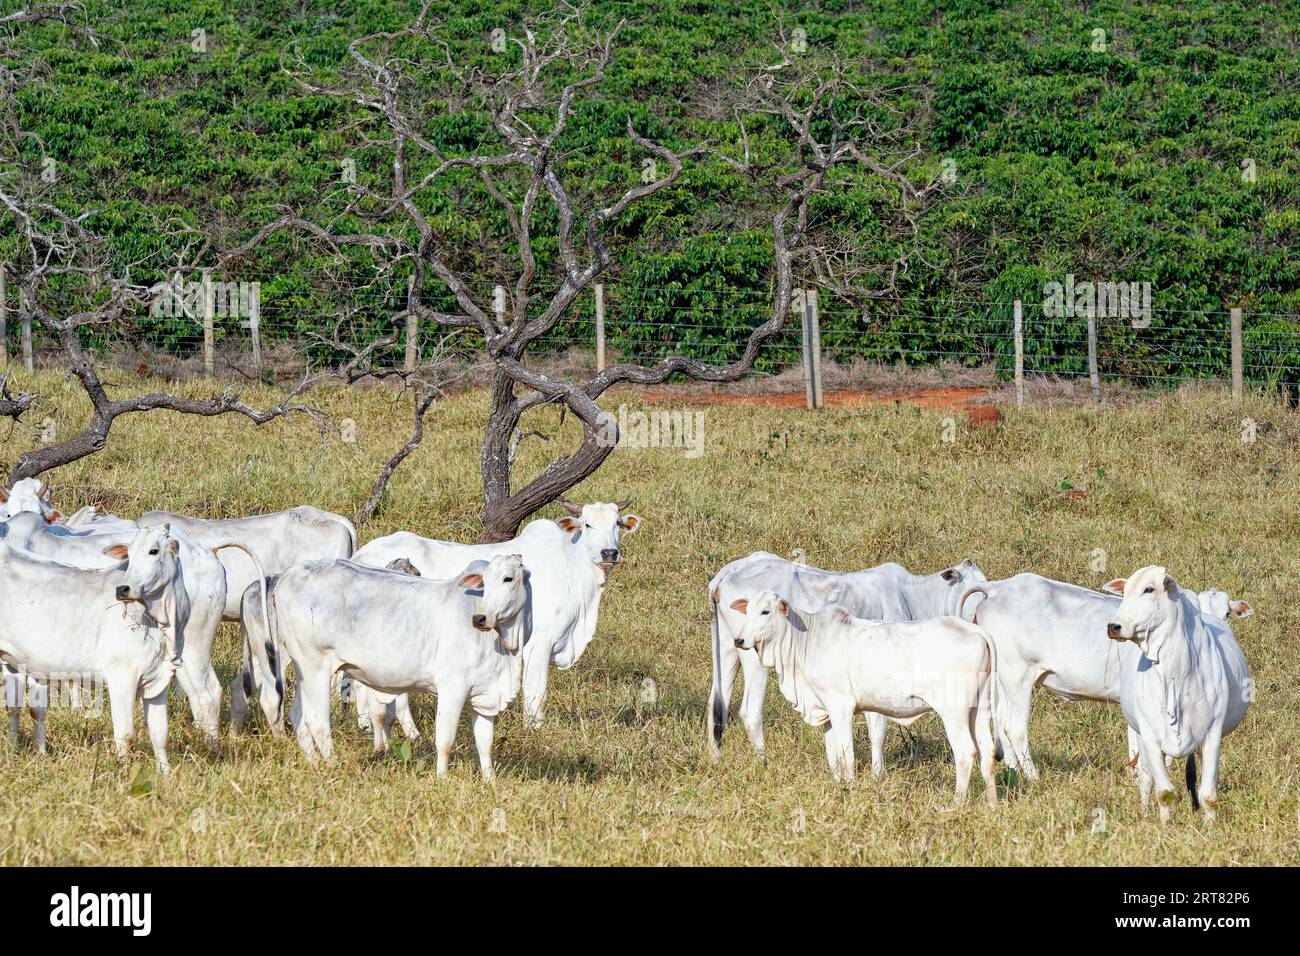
column 1158, row 346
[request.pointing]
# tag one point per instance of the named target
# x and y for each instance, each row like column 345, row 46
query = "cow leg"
column 15, row 687
column 1153, row 759
column 957, row 725
column 155, row 719
column 444, row 727
column 1144, row 783
column 484, row 727
column 38, row 705
column 1208, row 791
column 241, row 688
column 1134, row 764
column 121, row 709
column 839, row 745
column 720, row 698
column 364, row 701
column 403, row 707
column 877, row 729
column 751, row 700
column 537, row 669
column 313, row 724
column 982, row 730
column 379, row 715
column 1016, row 702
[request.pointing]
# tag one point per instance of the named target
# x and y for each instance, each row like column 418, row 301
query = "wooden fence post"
column 1019, row 335
column 26, row 314
column 209, row 337
column 1094, row 376
column 4, row 323
column 600, row 327
column 810, row 398
column 1238, row 365
column 815, row 343
column 499, row 303
column 412, row 330
column 255, row 324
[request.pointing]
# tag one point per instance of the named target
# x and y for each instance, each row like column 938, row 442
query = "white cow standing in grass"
column 1185, row 691
column 124, row 624
column 831, row 666
column 1051, row 633
column 398, row 633
column 204, row 582
column 569, row 559
column 885, row 593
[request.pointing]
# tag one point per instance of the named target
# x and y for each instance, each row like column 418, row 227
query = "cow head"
column 596, row 528
column 505, row 598
column 27, row 494
column 402, row 566
column 1218, row 606
column 766, row 618
column 1151, row 598
column 957, row 579
column 154, row 580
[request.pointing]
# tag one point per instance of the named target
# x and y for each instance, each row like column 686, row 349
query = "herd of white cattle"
column 136, row 603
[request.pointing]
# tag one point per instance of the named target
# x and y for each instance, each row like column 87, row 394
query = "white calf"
column 885, row 593
column 396, row 633
column 832, row 666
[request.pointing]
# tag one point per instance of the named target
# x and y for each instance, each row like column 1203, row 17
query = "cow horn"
column 626, row 503
column 44, row 491
column 570, row 507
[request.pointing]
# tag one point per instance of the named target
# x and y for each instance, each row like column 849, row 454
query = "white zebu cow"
column 27, row 494
column 1049, row 633
column 831, row 666
column 205, row 586
column 280, row 540
column 885, row 593
column 122, row 624
column 398, row 633
column 568, row 558
column 1185, row 691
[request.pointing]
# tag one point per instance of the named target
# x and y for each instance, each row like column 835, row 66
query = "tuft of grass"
column 612, row 777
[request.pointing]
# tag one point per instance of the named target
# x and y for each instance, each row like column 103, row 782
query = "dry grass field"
column 615, row 779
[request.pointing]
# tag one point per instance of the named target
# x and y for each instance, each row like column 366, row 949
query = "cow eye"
column 507, row 580
column 767, row 612
column 1149, row 589
column 154, row 551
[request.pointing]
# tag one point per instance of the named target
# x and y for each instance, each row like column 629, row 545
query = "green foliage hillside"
column 1170, row 156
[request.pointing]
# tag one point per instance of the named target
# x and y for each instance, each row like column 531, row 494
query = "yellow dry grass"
column 612, row 778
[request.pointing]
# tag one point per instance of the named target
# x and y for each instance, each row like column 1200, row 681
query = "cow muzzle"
column 480, row 622
column 124, row 592
column 608, row 558
column 1115, row 632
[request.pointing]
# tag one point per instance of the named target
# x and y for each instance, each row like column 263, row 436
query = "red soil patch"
column 951, row 398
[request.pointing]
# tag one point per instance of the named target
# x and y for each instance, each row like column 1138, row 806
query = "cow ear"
column 952, row 575
column 117, row 551
column 782, row 606
column 741, row 605
column 1114, row 587
column 54, row 517
column 173, row 546
column 1240, row 609
column 470, row 581
column 1170, row 585
column 568, row 524
column 629, row 523
column 4, row 496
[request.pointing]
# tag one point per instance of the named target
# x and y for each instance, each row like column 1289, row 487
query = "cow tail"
column 1191, row 781
column 717, row 712
column 993, row 692
column 961, row 602
column 277, row 668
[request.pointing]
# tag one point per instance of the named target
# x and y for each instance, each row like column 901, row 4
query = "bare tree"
column 401, row 81
column 72, row 281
